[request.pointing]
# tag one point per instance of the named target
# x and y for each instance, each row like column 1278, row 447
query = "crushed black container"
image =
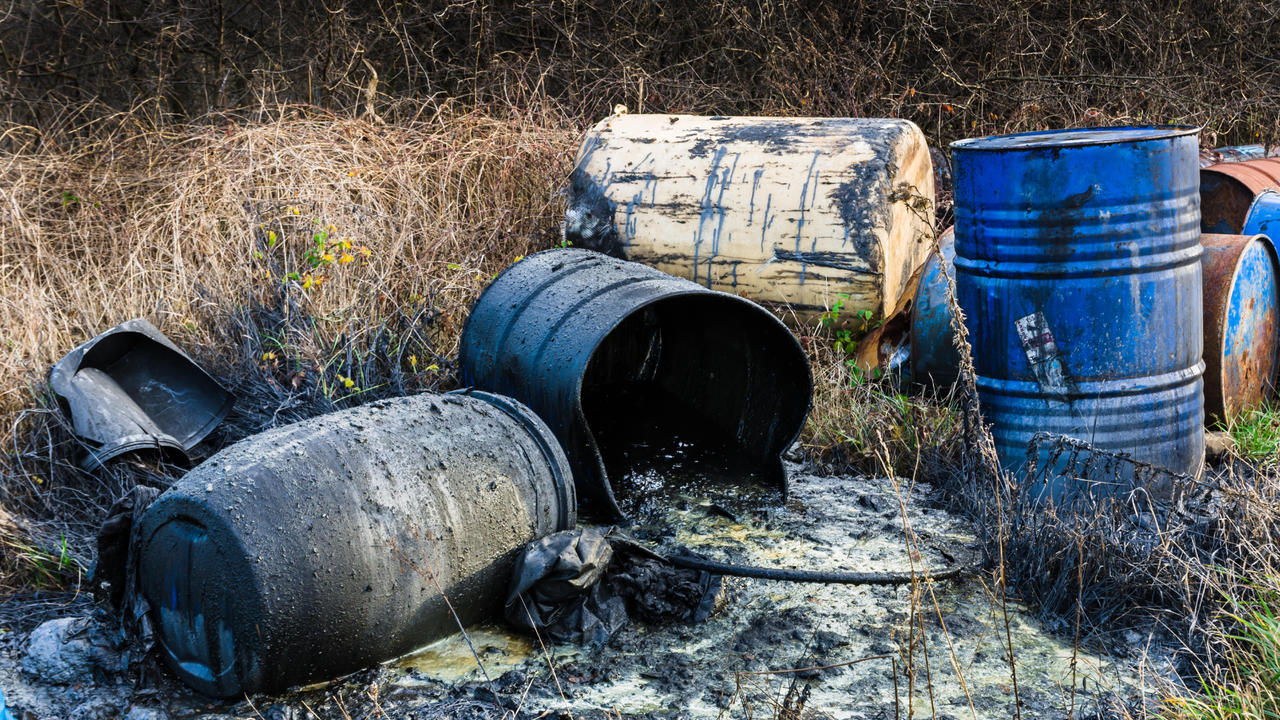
column 132, row 389
column 580, row 337
column 319, row 548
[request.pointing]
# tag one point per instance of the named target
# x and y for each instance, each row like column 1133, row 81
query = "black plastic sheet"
column 583, row 586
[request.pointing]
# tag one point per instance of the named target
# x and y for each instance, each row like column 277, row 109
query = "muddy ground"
column 728, row 666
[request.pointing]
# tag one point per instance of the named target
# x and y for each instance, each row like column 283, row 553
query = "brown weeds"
column 309, row 263
column 189, row 227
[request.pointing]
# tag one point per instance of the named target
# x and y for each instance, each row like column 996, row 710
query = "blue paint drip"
column 765, row 222
column 804, row 194
column 813, row 203
column 708, row 209
column 755, row 183
column 630, row 225
column 725, row 181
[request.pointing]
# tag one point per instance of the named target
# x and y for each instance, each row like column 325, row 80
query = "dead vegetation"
column 311, row 263
column 212, row 167
column 954, row 68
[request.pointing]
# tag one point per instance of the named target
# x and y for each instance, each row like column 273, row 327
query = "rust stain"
column 1235, row 377
column 1228, row 189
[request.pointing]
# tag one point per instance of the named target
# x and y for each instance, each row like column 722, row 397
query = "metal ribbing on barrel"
column 1078, row 269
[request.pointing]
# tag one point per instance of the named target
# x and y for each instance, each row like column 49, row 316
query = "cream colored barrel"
column 778, row 210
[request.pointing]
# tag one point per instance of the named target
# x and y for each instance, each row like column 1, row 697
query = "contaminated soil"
column 773, row 649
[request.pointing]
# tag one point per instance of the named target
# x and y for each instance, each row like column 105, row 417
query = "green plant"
column 36, row 566
column 70, row 198
column 1256, row 434
column 1249, row 686
column 324, row 250
column 845, row 338
column 843, row 341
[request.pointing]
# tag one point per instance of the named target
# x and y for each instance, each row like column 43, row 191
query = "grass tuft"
column 1256, row 434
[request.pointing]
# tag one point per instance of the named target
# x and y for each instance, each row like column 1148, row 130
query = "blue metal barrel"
column 1078, row 270
column 935, row 360
column 1263, row 217
column 1241, row 320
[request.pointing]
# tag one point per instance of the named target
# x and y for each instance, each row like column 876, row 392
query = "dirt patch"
column 946, row 641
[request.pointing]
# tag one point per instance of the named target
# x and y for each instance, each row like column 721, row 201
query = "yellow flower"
column 413, row 361
column 348, row 382
column 294, row 209
column 39, row 480
column 268, row 356
column 432, row 367
column 346, row 258
column 518, row 259
column 307, row 282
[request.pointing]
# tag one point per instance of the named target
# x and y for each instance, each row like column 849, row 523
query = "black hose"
column 830, row 578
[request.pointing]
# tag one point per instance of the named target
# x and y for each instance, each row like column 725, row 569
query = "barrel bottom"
column 1159, row 421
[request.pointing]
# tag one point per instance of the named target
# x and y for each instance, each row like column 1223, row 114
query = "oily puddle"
column 830, row 523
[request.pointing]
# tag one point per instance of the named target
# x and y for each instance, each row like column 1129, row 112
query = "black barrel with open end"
column 584, row 339
column 316, row 549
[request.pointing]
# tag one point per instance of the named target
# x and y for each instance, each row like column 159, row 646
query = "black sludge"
column 590, row 343
column 319, row 548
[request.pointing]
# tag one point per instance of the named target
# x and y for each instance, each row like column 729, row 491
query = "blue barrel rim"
column 1075, row 137
column 1252, row 224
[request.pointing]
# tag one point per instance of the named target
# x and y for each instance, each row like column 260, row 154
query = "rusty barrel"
column 316, row 549
column 792, row 211
column 562, row 330
column 1241, row 320
column 1078, row 270
column 1228, row 191
column 935, row 360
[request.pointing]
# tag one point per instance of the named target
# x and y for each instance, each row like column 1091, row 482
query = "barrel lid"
column 1075, row 137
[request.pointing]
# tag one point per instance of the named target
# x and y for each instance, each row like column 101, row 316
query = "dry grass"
column 174, row 227
column 853, row 416
column 210, row 232
column 955, row 68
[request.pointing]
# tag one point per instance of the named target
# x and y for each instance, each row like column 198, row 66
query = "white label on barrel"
column 1042, row 352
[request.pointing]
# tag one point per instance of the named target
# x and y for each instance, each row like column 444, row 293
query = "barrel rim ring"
column 1027, row 141
column 566, row 491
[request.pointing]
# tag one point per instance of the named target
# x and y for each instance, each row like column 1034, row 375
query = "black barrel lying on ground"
column 587, row 341
column 316, row 549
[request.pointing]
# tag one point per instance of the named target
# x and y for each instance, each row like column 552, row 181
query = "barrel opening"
column 693, row 390
column 1224, row 203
